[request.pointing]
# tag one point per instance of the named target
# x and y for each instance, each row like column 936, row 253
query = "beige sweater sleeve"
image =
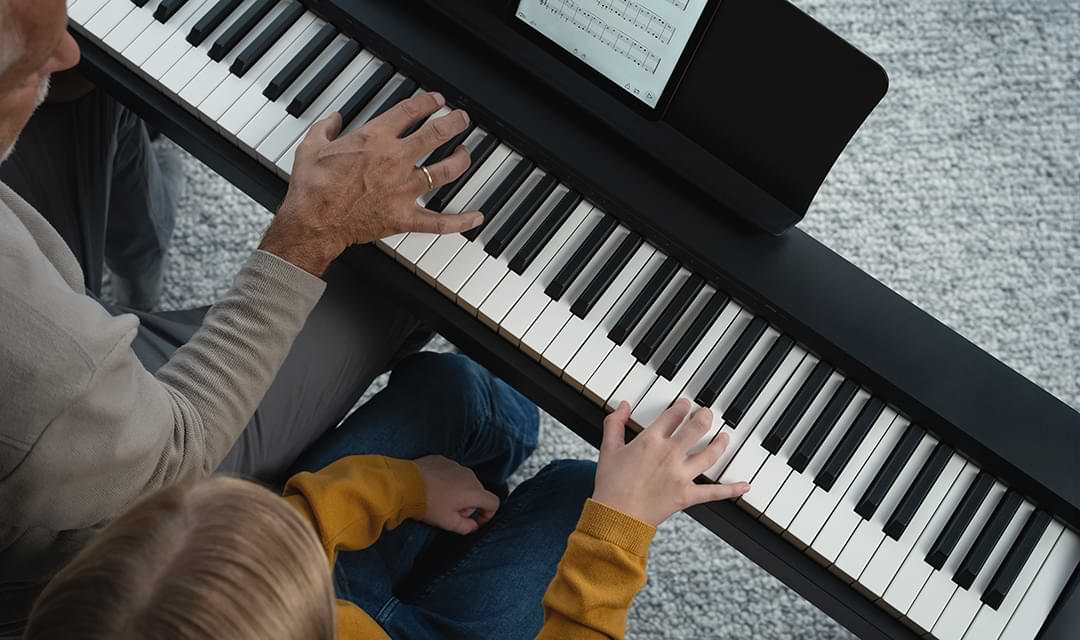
column 85, row 429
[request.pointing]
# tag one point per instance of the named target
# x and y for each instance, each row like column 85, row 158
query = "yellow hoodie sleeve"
column 601, row 571
column 351, row 501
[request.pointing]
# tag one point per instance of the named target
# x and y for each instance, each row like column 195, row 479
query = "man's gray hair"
column 10, row 38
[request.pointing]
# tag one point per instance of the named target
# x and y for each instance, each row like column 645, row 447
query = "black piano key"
column 693, row 336
column 292, row 70
column 366, row 93
column 780, row 431
column 1015, row 559
column 544, row 232
column 849, row 442
column 668, row 318
column 479, row 155
column 644, row 300
column 448, row 147
column 322, row 79
column 959, row 520
column 403, row 91
column 757, row 381
column 211, row 20
column 886, row 475
column 139, row 3
column 258, row 47
column 581, row 256
column 916, row 493
column 720, row 377
column 823, row 426
column 496, row 202
column 242, row 26
column 984, row 543
column 614, row 265
column 167, row 9
column 524, row 212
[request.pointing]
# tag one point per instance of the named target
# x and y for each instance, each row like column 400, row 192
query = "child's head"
column 223, row 558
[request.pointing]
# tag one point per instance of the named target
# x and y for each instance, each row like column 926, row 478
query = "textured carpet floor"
column 962, row 193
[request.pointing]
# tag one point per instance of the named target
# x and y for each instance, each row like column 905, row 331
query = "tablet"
column 638, row 50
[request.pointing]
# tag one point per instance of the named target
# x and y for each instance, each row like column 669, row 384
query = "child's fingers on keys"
column 703, row 493
column 694, row 429
column 614, row 427
column 708, row 456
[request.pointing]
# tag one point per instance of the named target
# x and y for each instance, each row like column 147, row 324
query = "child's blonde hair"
column 224, row 558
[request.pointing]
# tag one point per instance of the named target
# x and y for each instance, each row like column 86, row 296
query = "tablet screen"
column 636, row 44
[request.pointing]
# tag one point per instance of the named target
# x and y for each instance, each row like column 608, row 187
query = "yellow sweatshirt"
column 351, row 501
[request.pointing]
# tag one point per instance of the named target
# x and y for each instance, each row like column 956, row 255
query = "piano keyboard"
column 908, row 521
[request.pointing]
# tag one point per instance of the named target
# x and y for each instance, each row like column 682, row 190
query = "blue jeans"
column 420, row 582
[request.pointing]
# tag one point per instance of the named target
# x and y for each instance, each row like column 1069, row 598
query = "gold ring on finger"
column 430, row 182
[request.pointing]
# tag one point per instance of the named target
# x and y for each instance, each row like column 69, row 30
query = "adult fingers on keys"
column 399, row 118
column 424, row 221
column 436, row 132
column 444, row 171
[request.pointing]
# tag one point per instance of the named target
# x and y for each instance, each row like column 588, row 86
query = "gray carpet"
column 962, row 193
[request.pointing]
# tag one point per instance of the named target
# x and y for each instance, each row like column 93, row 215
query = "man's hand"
column 454, row 496
column 363, row 186
column 653, row 476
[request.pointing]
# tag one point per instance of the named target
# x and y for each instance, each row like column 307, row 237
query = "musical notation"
column 636, row 44
column 641, row 17
column 612, row 37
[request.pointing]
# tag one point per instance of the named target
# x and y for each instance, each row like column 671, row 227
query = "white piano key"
column 532, row 303
column 195, row 59
column 472, row 254
column 272, row 113
column 621, row 359
column 83, row 12
column 112, row 14
column 821, row 503
column 158, row 35
column 744, row 466
column 213, row 73
column 964, row 604
column 939, row 586
column 248, row 89
column 990, row 622
column 749, row 424
column 1044, row 591
column 492, row 270
column 597, row 347
column 577, row 330
column 642, row 376
column 513, row 286
column 557, row 313
column 909, row 580
column 442, row 252
column 798, row 486
column 129, row 28
column 177, row 53
column 868, row 535
column 890, row 555
column 843, row 521
column 290, row 130
column 664, row 392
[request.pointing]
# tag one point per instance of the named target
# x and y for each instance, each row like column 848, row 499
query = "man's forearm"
column 224, row 371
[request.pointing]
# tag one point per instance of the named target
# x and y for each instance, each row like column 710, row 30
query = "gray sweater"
column 84, row 428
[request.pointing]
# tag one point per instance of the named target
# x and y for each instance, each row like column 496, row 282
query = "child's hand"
column 653, row 476
column 454, row 495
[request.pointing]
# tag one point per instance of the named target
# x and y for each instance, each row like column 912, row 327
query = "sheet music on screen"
column 634, row 43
